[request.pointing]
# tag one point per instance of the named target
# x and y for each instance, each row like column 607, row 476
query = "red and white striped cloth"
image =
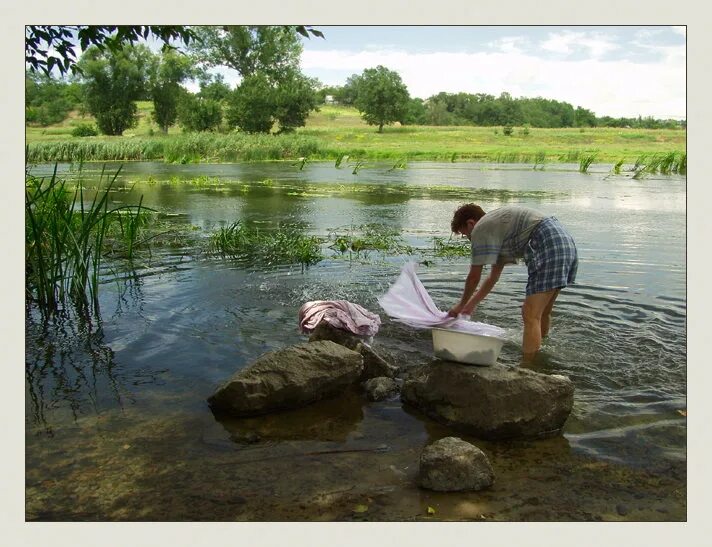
column 341, row 314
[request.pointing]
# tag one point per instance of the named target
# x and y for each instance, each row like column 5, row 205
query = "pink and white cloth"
column 407, row 301
column 341, row 314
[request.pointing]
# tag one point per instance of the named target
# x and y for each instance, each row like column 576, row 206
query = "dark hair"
column 465, row 213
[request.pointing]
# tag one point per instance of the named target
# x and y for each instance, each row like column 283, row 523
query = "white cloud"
column 614, row 88
column 567, row 43
column 510, row 44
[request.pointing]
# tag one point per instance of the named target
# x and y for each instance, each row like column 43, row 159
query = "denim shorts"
column 551, row 257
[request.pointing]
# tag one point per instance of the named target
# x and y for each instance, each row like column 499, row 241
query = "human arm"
column 484, row 289
column 473, row 279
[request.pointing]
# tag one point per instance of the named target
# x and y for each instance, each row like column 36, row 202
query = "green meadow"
column 336, row 131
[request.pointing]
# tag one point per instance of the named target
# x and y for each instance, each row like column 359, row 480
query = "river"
column 117, row 424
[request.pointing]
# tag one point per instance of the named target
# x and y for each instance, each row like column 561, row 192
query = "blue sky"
column 616, row 71
column 619, row 71
column 612, row 70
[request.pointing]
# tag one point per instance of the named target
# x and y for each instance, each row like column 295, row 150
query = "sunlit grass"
column 335, row 132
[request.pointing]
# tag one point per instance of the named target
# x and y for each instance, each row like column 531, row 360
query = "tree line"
column 116, row 70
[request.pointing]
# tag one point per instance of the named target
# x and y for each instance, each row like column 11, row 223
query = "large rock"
column 289, row 378
column 374, row 365
column 490, row 402
column 378, row 389
column 452, row 464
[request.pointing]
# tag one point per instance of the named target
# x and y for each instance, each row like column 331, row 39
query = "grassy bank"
column 337, row 131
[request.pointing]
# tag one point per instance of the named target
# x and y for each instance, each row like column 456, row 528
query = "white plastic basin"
column 466, row 347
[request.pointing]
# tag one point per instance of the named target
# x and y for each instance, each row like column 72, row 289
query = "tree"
column 47, row 100
column 196, row 113
column 50, row 46
column 347, row 94
column 167, row 73
column 270, row 50
column 112, row 82
column 251, row 105
column 584, row 117
column 382, row 97
column 295, row 98
column 259, row 102
column 214, row 88
column 415, row 112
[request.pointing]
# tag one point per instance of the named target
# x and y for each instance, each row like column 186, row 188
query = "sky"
column 619, row 71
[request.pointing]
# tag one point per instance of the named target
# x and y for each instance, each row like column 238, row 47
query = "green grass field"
column 337, row 130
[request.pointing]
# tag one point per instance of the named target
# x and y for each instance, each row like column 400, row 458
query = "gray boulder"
column 374, row 364
column 289, row 378
column 380, row 388
column 452, row 464
column 494, row 402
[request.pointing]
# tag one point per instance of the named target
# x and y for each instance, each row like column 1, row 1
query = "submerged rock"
column 452, row 464
column 493, row 402
column 289, row 378
column 374, row 364
column 380, row 388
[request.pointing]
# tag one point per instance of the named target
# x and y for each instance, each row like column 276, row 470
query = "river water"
column 117, row 423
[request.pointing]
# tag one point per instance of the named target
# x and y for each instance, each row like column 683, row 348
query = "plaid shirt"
column 500, row 237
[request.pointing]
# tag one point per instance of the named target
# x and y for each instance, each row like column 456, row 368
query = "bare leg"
column 532, row 311
column 546, row 315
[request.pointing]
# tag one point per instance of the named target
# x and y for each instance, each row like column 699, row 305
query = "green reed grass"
column 287, row 245
column 449, row 248
column 187, row 148
column 367, row 237
column 585, row 162
column 65, row 240
column 665, row 164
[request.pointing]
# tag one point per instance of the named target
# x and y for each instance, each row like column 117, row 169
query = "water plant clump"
column 286, row 245
column 449, row 248
column 665, row 164
column 585, row 162
column 66, row 238
column 367, row 237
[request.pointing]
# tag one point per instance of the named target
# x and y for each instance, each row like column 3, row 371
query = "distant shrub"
column 84, row 130
column 507, row 130
column 525, row 130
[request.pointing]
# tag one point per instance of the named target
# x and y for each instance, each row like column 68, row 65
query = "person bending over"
column 504, row 235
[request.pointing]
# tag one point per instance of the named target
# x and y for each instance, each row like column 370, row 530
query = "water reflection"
column 69, row 366
column 333, row 419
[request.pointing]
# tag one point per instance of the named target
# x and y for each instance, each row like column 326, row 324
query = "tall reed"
column 64, row 242
column 585, row 162
column 665, row 164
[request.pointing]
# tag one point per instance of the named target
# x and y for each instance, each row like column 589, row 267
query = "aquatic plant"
column 539, row 160
column 301, row 162
column 286, row 245
column 65, row 239
column 585, row 162
column 665, row 164
column 358, row 165
column 367, row 237
column 400, row 164
column 449, row 248
column 572, row 156
column 617, row 167
column 341, row 159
